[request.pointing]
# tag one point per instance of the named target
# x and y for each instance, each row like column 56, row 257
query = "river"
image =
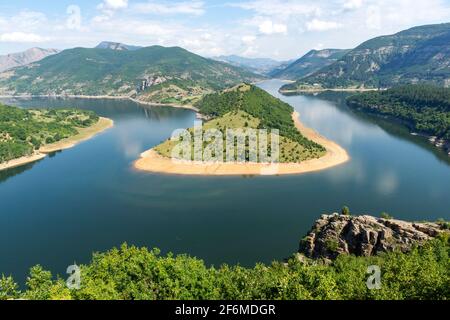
column 89, row 198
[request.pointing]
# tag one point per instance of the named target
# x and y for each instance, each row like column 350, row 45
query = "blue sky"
column 279, row 29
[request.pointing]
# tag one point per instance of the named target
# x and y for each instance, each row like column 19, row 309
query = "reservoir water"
column 88, row 198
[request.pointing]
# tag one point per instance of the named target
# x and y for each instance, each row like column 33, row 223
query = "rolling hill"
column 247, row 106
column 23, row 58
column 152, row 74
column 417, row 55
column 311, row 62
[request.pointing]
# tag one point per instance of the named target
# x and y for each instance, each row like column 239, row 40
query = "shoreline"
column 83, row 135
column 151, row 161
column 318, row 90
column 152, row 104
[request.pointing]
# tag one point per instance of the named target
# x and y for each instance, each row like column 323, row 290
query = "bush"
column 345, row 211
column 137, row 273
column 386, row 216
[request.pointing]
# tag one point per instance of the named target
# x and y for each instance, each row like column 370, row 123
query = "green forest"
column 24, row 131
column 133, row 273
column 426, row 108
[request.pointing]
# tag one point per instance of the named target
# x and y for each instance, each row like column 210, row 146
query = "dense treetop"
column 426, row 107
column 137, row 273
column 24, row 131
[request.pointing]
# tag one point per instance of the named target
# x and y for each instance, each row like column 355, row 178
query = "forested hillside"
column 24, row 131
column 153, row 74
column 426, row 108
column 416, row 55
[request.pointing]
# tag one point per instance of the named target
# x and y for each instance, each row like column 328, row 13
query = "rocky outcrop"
column 333, row 235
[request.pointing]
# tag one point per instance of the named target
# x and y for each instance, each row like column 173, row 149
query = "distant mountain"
column 311, row 62
column 116, row 46
column 23, row 58
column 258, row 65
column 416, row 55
column 154, row 74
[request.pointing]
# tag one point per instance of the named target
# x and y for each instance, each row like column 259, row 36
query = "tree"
column 8, row 288
column 345, row 211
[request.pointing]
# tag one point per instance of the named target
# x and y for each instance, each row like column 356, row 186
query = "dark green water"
column 89, row 198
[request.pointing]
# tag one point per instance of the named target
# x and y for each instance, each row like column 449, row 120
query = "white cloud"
column 22, row 37
column 373, row 20
column 268, row 27
column 113, row 4
column 322, row 25
column 256, row 28
column 248, row 39
column 279, row 8
column 108, row 9
column 169, row 8
column 353, row 4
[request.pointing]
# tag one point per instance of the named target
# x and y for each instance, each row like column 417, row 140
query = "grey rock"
column 333, row 235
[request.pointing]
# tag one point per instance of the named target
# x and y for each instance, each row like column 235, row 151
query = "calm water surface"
column 89, row 198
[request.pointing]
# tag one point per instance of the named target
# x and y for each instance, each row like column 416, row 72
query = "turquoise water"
column 89, row 198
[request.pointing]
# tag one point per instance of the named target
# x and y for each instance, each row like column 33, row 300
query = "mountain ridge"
column 311, row 62
column 116, row 46
column 416, row 55
column 23, row 58
column 152, row 74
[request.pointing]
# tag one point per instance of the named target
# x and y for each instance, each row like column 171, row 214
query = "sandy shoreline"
column 151, row 161
column 84, row 134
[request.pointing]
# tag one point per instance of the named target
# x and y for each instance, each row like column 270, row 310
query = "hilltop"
column 311, row 62
column 416, row 55
column 116, row 46
column 153, row 74
column 246, row 107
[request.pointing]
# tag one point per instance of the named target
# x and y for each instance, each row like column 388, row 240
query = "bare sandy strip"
column 83, row 134
column 151, row 161
column 22, row 161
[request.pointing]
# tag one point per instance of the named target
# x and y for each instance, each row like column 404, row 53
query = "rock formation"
column 336, row 234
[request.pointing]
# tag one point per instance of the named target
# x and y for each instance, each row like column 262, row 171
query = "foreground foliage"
column 24, row 131
column 137, row 273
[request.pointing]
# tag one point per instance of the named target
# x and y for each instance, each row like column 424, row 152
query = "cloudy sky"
column 280, row 29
